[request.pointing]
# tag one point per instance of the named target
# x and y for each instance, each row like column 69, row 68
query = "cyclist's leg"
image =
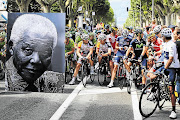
column 178, row 84
column 116, row 64
column 76, row 72
column 144, row 63
column 172, row 73
column 92, row 65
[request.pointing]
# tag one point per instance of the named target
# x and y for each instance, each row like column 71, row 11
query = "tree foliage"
column 162, row 9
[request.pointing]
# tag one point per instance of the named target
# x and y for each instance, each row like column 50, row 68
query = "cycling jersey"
column 170, row 50
column 93, row 42
column 78, row 39
column 123, row 42
column 112, row 40
column 107, row 33
column 131, row 35
column 103, row 48
column 70, row 45
column 85, row 48
column 156, row 45
column 138, row 47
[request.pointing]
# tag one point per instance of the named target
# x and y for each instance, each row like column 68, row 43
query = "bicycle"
column 85, row 72
column 154, row 95
column 134, row 73
column 103, row 70
column 68, row 69
column 121, row 73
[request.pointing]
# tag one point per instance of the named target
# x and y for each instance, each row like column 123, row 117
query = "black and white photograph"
column 34, row 52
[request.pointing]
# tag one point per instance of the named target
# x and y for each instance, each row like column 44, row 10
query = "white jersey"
column 170, row 50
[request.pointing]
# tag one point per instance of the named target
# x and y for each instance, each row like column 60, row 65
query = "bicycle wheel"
column 83, row 75
column 92, row 77
column 101, row 75
column 149, row 100
column 163, row 95
column 120, row 77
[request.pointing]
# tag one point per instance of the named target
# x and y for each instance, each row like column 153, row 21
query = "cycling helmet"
column 125, row 33
column 91, row 34
column 157, row 29
column 68, row 35
column 138, row 31
column 102, row 37
column 166, row 32
column 3, row 34
column 107, row 26
column 85, row 37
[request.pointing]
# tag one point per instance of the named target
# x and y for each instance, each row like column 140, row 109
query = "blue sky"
column 120, row 10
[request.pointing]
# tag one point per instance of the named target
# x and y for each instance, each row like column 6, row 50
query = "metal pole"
column 152, row 9
column 133, row 19
column 140, row 15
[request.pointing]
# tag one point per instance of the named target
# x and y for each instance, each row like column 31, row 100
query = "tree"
column 12, row 6
column 23, row 5
column 46, row 4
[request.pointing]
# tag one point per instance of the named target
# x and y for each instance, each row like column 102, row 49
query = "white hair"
column 36, row 26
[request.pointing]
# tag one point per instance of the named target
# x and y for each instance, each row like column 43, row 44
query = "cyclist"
column 122, row 45
column 91, row 37
column 177, row 38
column 131, row 34
column 156, row 43
column 137, row 45
column 171, row 63
column 69, row 45
column 103, row 49
column 107, row 31
column 84, row 51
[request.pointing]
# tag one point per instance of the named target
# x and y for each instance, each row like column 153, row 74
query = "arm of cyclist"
column 128, row 51
column 78, row 53
column 160, row 51
column 168, row 62
column 107, row 54
column 70, row 52
column 90, row 53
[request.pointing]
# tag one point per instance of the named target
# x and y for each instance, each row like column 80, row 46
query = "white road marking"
column 57, row 115
column 135, row 103
column 101, row 91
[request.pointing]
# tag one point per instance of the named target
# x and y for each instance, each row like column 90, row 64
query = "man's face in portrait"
column 32, row 56
column 32, row 42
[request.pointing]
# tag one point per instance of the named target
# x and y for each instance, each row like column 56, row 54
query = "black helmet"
column 107, row 26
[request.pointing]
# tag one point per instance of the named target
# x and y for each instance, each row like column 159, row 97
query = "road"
column 76, row 103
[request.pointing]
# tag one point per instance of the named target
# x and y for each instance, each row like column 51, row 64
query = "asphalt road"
column 91, row 103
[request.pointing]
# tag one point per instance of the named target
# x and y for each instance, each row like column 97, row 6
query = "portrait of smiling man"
column 31, row 44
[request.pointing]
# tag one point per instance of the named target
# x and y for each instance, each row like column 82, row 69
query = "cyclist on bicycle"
column 122, row 44
column 156, row 43
column 171, row 63
column 84, row 51
column 92, row 39
column 107, row 30
column 137, row 45
column 103, row 50
column 69, row 45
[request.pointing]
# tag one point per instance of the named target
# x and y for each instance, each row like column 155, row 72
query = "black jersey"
column 138, row 47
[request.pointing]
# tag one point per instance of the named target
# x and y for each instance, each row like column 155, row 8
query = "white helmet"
column 85, row 37
column 157, row 29
column 125, row 33
column 102, row 37
column 166, row 32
